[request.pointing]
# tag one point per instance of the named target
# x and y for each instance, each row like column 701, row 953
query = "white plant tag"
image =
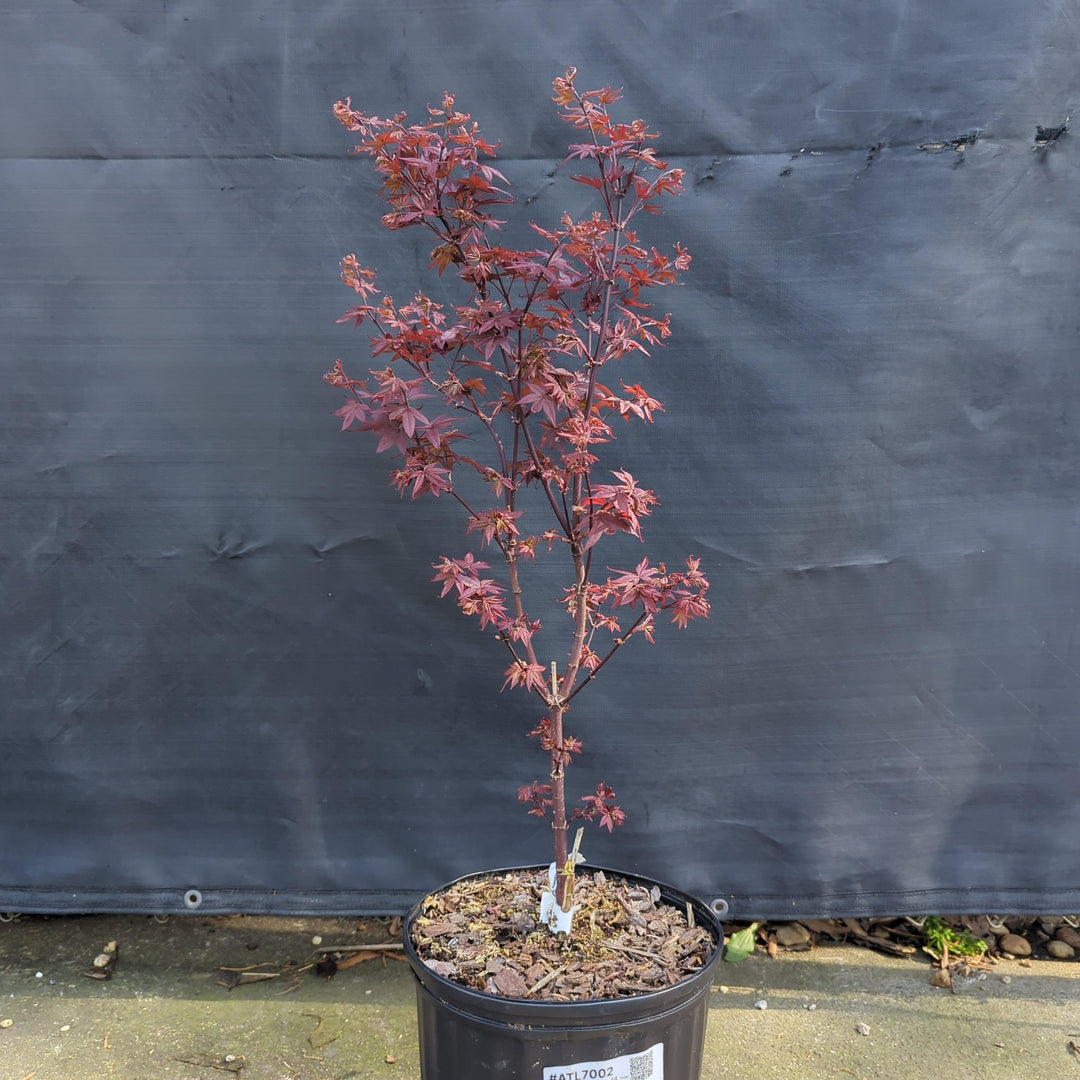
column 648, row 1065
column 551, row 915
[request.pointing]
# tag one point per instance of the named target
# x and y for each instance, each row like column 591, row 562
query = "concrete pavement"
column 165, row 1014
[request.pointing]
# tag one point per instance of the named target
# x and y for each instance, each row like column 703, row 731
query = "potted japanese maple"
column 501, row 400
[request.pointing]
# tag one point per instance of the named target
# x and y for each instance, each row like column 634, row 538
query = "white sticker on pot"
column 648, row 1065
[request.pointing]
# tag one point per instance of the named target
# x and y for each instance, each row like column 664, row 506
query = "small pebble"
column 862, row 1029
column 6, row 1023
column 39, row 975
column 66, row 1027
column 1014, row 944
column 761, row 1004
column 1070, row 935
column 317, row 939
column 230, row 1058
column 1060, row 950
column 1006, row 979
column 792, row 934
column 102, row 960
column 812, row 1006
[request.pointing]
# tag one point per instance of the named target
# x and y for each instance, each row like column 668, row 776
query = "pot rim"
column 617, row 1009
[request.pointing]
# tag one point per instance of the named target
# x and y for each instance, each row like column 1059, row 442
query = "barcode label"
column 648, row 1065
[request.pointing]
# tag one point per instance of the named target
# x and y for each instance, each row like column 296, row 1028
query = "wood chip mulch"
column 483, row 933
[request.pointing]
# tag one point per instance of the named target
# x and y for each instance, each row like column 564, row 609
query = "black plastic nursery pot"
column 465, row 1033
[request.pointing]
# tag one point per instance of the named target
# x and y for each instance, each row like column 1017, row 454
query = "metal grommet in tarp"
column 192, row 899
column 720, row 907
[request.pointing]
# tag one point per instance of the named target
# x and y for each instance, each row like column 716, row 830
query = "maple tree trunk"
column 558, row 707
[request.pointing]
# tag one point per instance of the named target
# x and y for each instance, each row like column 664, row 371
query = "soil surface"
column 484, row 934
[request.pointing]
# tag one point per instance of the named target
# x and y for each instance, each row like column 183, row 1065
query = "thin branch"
column 619, row 643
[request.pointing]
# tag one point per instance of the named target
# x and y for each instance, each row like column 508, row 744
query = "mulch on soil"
column 483, row 933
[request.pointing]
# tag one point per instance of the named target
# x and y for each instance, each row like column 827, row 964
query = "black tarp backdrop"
column 223, row 666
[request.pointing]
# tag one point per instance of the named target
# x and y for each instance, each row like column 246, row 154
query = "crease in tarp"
column 715, row 157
